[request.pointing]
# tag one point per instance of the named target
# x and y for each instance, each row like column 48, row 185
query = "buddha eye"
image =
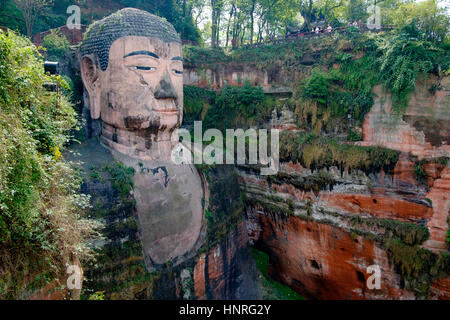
column 177, row 72
column 142, row 68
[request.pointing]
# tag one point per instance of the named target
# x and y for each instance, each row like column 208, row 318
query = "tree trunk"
column 252, row 21
column 229, row 24
column 214, row 23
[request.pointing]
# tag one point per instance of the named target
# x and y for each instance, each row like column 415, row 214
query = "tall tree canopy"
column 235, row 22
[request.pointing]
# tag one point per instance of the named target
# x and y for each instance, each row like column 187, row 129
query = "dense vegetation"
column 232, row 23
column 315, row 152
column 272, row 290
column 54, row 14
column 42, row 226
column 231, row 107
column 341, row 81
column 225, row 208
column 42, row 215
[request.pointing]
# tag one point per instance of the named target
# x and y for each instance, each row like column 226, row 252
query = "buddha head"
column 132, row 69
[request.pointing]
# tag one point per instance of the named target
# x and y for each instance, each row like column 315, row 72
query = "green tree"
column 427, row 17
column 42, row 223
column 356, row 10
column 10, row 16
column 56, row 45
column 31, row 9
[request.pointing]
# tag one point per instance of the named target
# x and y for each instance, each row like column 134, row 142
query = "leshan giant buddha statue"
column 132, row 70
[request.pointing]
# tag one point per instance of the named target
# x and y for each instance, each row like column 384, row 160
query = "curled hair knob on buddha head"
column 126, row 22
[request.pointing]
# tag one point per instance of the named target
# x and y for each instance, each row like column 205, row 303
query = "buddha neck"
column 144, row 145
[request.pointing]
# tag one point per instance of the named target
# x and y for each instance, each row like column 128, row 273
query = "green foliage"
column 41, row 214
column 237, row 107
column 99, row 295
column 417, row 266
column 409, row 233
column 316, row 152
column 56, row 45
column 172, row 11
column 326, row 97
column 428, row 20
column 419, row 166
column 403, row 60
column 200, row 56
column 270, row 55
column 196, row 100
column 356, row 10
column 420, row 171
column 397, row 60
column 11, row 17
column 272, row 290
column 226, row 208
column 316, row 86
column 122, row 177
column 354, row 136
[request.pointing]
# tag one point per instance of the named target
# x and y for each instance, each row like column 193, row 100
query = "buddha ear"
column 90, row 76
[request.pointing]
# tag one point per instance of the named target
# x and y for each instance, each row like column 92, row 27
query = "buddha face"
column 142, row 88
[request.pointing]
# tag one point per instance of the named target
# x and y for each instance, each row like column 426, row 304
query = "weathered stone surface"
column 438, row 225
column 236, row 75
column 422, row 129
column 169, row 207
column 284, row 121
column 440, row 289
column 322, row 261
column 315, row 239
column 228, row 270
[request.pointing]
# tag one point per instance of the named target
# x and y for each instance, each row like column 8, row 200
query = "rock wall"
column 321, row 237
column 228, row 270
column 222, row 268
column 322, row 261
column 273, row 79
column 316, row 248
column 422, row 129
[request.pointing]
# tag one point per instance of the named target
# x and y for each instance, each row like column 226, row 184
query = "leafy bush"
column 237, row 106
column 56, row 45
column 198, row 56
column 316, row 86
column 284, row 54
column 196, row 100
column 42, row 224
column 403, row 60
column 122, row 178
column 314, row 152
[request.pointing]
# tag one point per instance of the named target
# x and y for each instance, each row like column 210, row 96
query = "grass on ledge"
column 272, row 290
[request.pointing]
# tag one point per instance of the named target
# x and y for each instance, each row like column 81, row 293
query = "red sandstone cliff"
column 320, row 251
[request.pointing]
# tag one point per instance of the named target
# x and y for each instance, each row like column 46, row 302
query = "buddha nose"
column 165, row 88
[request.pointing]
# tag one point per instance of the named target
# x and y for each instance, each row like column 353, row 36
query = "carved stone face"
column 140, row 94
